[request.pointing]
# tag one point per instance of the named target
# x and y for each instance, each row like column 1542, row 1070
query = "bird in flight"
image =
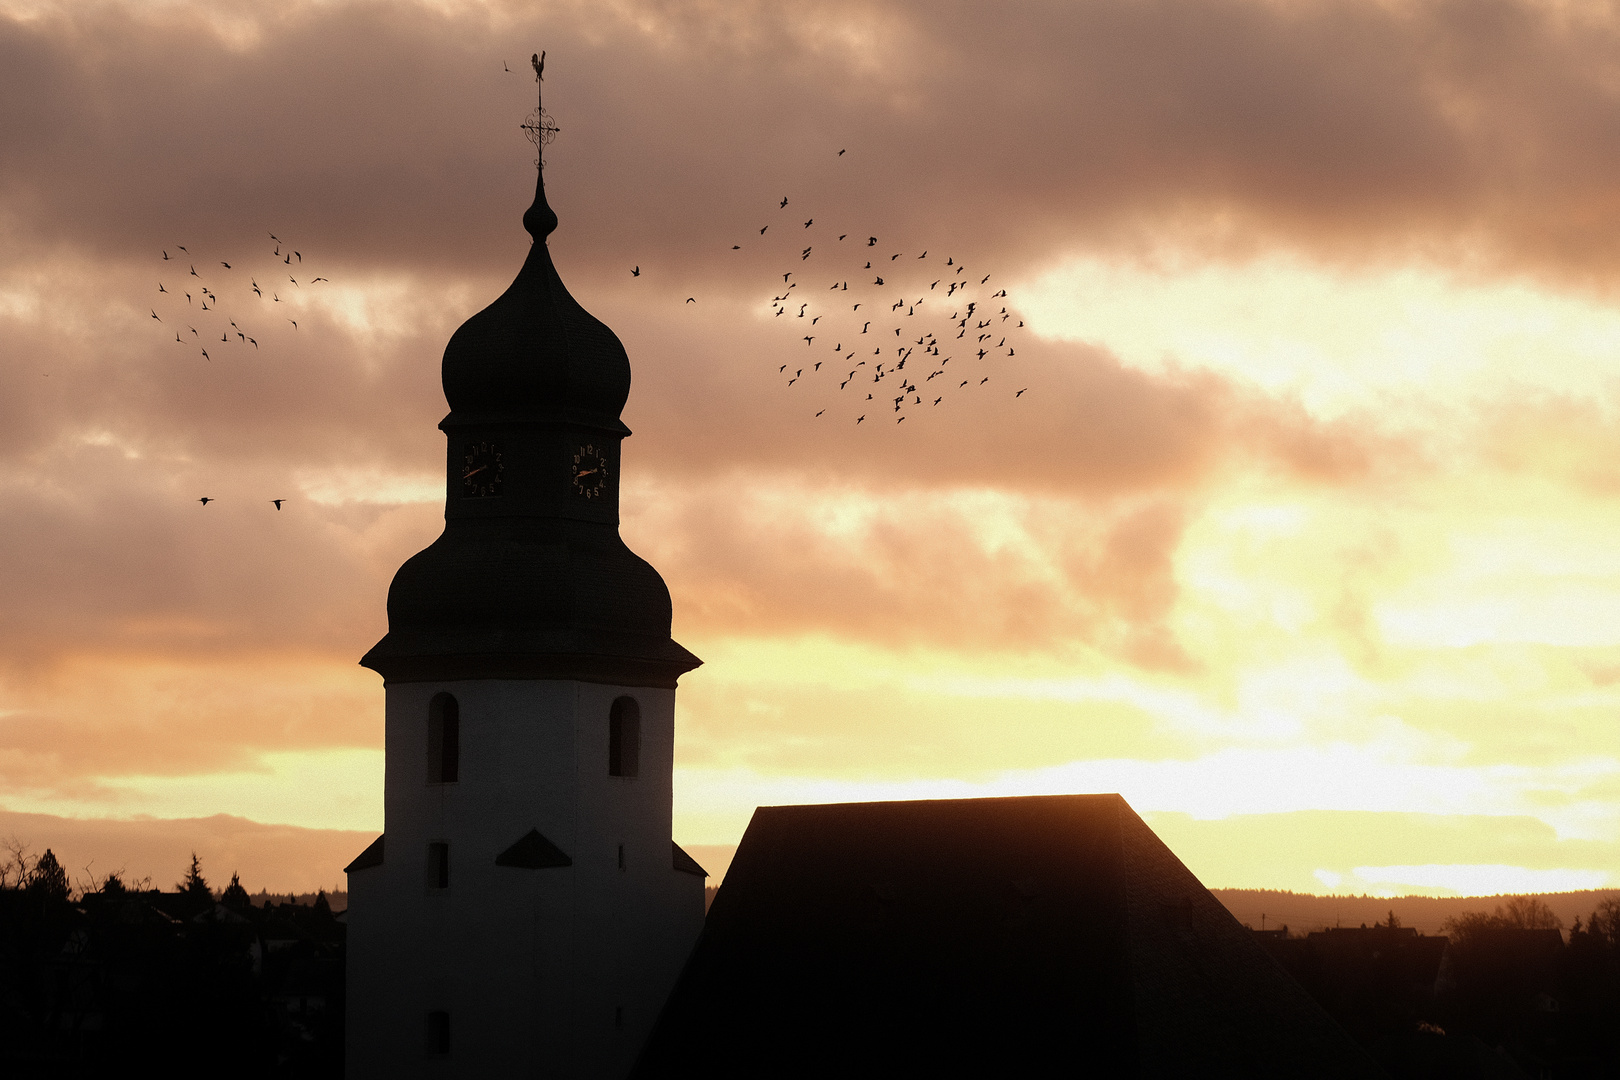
column 1020, row 393
column 166, row 255
column 205, row 500
column 809, row 223
column 294, row 322
column 691, row 299
column 840, row 153
column 636, row 272
column 155, row 316
column 784, row 202
column 161, row 288
column 278, row 502
column 226, row 265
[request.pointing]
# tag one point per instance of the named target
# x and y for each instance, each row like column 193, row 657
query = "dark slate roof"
column 372, row 856
column 533, row 851
column 980, row 937
column 685, row 863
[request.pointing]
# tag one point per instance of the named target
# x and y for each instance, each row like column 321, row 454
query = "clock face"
column 481, row 473
column 590, row 472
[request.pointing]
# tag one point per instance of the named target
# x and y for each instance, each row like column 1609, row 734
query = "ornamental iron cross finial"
column 539, row 127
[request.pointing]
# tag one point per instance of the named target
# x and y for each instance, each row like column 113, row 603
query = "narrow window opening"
column 438, row 865
column 438, row 1033
column 624, row 737
column 444, row 739
column 621, row 856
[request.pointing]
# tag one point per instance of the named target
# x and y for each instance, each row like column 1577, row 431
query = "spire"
column 531, row 578
column 541, row 130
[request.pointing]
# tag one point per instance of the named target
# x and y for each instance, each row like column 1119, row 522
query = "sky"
column 1301, row 535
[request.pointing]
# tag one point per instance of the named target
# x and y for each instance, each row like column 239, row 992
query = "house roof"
column 989, row 936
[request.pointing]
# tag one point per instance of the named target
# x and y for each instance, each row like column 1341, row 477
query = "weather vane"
column 539, row 127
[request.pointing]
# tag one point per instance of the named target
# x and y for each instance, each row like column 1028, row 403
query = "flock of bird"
column 193, row 310
column 203, row 305
column 907, row 330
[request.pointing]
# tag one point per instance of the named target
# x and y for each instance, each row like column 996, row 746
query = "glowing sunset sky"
column 1305, row 537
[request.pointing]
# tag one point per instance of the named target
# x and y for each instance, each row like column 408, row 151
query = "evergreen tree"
column 194, row 884
column 235, row 896
column 49, row 878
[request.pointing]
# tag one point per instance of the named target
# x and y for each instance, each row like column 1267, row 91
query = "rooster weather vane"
column 539, row 127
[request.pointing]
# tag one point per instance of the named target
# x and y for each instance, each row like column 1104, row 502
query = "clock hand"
column 584, row 473
column 474, row 472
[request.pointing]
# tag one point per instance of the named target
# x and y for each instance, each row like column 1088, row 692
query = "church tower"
column 529, row 911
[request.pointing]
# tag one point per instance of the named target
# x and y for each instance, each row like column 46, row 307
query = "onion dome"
column 530, row 578
column 535, row 354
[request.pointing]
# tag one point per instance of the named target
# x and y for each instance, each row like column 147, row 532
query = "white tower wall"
column 557, row 971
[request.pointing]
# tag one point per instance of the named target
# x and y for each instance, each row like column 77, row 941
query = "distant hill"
column 1302, row 912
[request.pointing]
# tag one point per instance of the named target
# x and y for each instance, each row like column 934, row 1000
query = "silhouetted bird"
column 762, row 231
column 840, row 153
column 860, row 418
column 166, row 256
column 278, row 502
column 809, row 223
column 691, row 299
column 154, row 315
column 205, row 500
column 736, row 247
column 1020, row 393
column 294, row 322
column 161, row 288
column 226, row 265
column 636, row 272
column 784, row 202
